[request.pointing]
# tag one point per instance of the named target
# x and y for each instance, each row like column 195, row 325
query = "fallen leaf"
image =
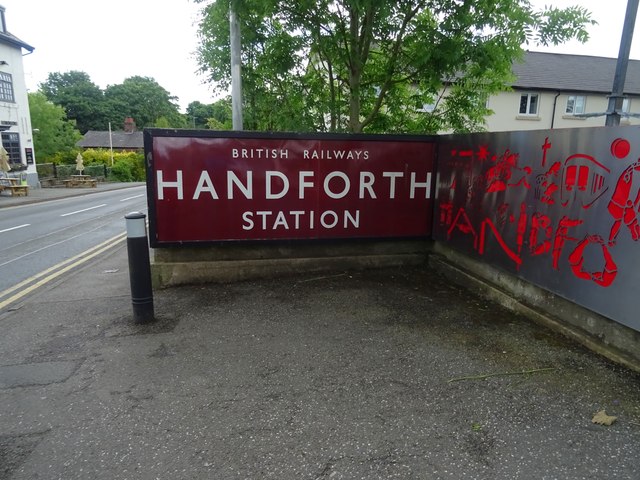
column 601, row 418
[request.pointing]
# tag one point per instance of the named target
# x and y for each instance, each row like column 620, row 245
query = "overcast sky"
column 115, row 39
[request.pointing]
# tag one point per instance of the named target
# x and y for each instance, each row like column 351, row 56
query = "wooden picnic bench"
column 13, row 185
column 80, row 181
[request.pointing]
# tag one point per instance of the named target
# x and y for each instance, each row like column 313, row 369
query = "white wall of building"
column 506, row 115
column 16, row 114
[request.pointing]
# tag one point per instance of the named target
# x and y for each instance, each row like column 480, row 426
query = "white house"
column 550, row 89
column 15, row 121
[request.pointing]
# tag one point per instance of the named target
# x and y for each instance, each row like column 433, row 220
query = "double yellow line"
column 36, row 281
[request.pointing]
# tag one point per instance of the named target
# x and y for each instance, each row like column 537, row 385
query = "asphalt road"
column 48, row 236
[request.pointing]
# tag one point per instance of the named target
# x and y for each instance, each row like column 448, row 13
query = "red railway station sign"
column 208, row 187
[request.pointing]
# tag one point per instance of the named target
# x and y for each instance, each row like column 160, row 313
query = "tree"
column 216, row 116
column 271, row 66
column 197, row 114
column 143, row 99
column 373, row 65
column 82, row 99
column 53, row 132
column 93, row 109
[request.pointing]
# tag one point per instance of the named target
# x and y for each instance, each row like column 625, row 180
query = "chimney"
column 129, row 125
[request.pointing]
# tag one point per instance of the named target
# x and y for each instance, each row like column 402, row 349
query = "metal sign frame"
column 321, row 186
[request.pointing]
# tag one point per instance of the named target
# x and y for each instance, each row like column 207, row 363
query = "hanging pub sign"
column 221, row 186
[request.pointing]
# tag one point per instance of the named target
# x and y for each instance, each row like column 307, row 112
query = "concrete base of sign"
column 600, row 334
column 235, row 262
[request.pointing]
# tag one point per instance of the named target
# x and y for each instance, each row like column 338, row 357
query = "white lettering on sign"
column 392, row 181
column 205, row 185
column 259, row 153
column 426, row 185
column 345, row 190
column 302, row 184
column 247, row 190
column 297, row 219
column 269, row 195
column 366, row 183
column 335, row 154
column 335, row 185
column 162, row 184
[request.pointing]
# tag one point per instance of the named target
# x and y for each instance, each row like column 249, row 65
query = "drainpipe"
column 553, row 114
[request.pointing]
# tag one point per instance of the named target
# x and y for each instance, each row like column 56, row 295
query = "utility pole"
column 617, row 92
column 236, row 79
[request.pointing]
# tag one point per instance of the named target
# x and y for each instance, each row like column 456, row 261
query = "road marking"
column 57, row 270
column 83, row 210
column 131, row 198
column 15, row 228
column 50, row 245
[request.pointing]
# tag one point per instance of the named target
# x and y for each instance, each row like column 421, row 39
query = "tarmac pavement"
column 376, row 374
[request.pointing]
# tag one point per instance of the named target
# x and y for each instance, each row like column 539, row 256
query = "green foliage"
column 66, row 170
column 67, row 157
column 272, row 64
column 124, row 171
column 127, row 166
column 45, row 170
column 52, row 131
column 216, row 116
column 79, row 96
column 93, row 109
column 99, row 156
column 371, row 65
column 143, row 99
column 96, row 171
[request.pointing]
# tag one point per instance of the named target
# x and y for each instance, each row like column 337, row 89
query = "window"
column 529, row 104
column 575, row 104
column 11, row 143
column 6, row 87
column 626, row 105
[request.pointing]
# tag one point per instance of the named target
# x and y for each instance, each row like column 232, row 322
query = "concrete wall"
column 596, row 332
column 235, row 262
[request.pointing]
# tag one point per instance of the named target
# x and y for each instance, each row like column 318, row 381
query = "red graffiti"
column 545, row 146
column 561, row 237
column 583, row 180
column 500, row 174
column 607, row 275
column 623, row 206
column 505, row 248
column 534, row 224
column 540, row 223
column 578, row 179
column 546, row 187
column 462, row 223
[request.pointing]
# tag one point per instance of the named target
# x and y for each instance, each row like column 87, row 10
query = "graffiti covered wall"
column 558, row 208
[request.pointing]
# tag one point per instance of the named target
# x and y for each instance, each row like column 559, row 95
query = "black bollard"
column 139, row 267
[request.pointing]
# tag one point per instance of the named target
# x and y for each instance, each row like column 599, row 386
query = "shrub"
column 127, row 166
column 121, row 171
